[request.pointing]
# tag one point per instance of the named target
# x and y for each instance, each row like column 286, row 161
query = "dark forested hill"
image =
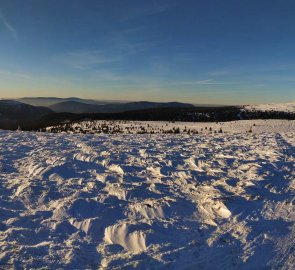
column 204, row 114
column 80, row 107
column 13, row 114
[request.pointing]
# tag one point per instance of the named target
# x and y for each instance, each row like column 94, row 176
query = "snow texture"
column 277, row 107
column 210, row 201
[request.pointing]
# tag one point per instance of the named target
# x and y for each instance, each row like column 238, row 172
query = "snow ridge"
column 278, row 107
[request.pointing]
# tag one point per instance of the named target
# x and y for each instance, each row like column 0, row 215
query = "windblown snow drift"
column 147, row 201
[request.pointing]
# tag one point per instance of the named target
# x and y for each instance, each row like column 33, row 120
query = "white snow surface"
column 278, row 107
column 203, row 128
column 210, row 201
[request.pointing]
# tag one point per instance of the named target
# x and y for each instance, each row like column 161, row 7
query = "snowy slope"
column 278, row 107
column 223, row 201
column 159, row 127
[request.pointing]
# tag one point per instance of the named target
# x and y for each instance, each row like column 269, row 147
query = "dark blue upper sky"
column 202, row 51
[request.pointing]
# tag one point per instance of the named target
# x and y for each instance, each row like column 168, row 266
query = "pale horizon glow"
column 200, row 52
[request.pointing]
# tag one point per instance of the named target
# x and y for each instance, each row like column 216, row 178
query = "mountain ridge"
column 79, row 107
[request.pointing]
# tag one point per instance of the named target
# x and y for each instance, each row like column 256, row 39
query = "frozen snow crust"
column 278, row 107
column 211, row 201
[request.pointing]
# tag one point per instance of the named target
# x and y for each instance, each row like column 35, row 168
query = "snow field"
column 220, row 201
column 202, row 128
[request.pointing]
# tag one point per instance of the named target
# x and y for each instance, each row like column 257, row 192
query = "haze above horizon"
column 201, row 52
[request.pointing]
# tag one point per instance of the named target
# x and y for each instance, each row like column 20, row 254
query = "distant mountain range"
column 79, row 107
column 49, row 101
column 29, row 112
column 11, row 109
column 14, row 113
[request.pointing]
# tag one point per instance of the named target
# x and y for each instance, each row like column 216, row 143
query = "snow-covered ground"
column 207, row 201
column 134, row 127
column 278, row 107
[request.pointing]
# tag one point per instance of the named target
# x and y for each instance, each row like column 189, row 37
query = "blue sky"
column 200, row 51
